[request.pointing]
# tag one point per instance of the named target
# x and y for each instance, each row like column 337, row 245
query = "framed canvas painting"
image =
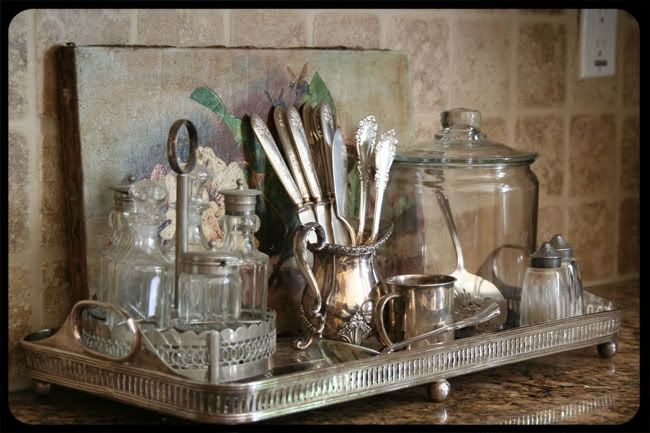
column 117, row 104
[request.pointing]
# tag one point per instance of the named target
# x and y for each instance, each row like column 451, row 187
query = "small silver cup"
column 421, row 303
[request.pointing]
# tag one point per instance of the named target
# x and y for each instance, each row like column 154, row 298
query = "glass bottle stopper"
column 545, row 257
column 149, row 199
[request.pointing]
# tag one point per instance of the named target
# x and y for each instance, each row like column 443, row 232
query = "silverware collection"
column 313, row 169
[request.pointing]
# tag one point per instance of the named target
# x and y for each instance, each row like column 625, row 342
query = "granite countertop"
column 575, row 387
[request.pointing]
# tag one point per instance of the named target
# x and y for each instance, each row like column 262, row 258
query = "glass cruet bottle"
column 144, row 275
column 545, row 292
column 239, row 225
column 123, row 206
column 571, row 270
column 210, row 289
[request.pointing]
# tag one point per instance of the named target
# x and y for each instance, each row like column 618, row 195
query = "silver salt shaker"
column 545, row 292
column 571, row 269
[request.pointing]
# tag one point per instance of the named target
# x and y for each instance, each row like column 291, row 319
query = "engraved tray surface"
column 299, row 382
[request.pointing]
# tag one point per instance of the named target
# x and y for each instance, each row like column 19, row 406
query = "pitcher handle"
column 379, row 319
column 300, row 252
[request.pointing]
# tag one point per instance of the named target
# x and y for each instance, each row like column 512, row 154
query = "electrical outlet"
column 597, row 42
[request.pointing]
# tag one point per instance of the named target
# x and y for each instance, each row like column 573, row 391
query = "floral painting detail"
column 276, row 209
column 224, row 177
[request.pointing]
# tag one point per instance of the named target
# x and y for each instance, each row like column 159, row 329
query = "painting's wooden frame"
column 72, row 171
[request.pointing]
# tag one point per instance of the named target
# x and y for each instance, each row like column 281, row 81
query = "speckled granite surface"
column 576, row 387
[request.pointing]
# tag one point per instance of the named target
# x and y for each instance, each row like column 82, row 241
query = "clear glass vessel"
column 545, row 293
column 239, row 225
column 118, row 221
column 571, row 269
column 210, row 291
column 144, row 275
column 493, row 196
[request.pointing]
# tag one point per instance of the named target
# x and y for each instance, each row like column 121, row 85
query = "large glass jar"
column 492, row 194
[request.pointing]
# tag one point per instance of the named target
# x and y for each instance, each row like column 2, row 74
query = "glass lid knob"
column 460, row 118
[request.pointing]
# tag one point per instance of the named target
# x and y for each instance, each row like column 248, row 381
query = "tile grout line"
column 566, row 120
column 452, row 27
column 384, row 24
column 309, row 17
column 133, row 26
column 618, row 135
column 512, row 87
column 34, row 137
column 226, row 26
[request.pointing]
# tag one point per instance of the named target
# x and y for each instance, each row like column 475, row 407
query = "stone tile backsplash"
column 541, row 67
column 519, row 67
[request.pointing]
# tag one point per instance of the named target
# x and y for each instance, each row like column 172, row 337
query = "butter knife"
column 339, row 157
column 305, row 213
column 302, row 148
column 280, row 118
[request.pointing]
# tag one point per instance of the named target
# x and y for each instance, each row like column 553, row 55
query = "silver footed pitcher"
column 343, row 287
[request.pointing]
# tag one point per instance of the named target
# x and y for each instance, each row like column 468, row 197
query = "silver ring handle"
column 172, row 146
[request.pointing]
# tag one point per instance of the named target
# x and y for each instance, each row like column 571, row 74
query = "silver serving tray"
column 300, row 383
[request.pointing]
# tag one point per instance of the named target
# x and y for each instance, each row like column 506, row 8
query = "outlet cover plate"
column 597, row 42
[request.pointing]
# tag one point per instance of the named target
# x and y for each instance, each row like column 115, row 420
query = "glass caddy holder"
column 141, row 376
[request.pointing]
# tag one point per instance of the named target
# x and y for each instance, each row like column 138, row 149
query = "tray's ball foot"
column 607, row 350
column 439, row 390
column 42, row 388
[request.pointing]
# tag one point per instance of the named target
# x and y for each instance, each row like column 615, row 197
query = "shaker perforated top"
column 545, row 257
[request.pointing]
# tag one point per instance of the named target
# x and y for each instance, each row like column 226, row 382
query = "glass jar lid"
column 462, row 142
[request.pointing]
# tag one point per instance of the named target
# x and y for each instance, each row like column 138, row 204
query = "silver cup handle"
column 382, row 334
column 490, row 311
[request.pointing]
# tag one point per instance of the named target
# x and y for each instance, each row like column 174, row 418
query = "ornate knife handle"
column 265, row 138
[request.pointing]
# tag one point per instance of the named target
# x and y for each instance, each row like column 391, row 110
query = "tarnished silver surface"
column 309, row 169
column 384, row 153
column 365, row 140
column 419, row 303
column 280, row 119
column 339, row 159
column 242, row 353
column 342, row 288
column 148, row 382
column 305, row 211
column 183, row 192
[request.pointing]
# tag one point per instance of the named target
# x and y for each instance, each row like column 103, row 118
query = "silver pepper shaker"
column 545, row 293
column 571, row 269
